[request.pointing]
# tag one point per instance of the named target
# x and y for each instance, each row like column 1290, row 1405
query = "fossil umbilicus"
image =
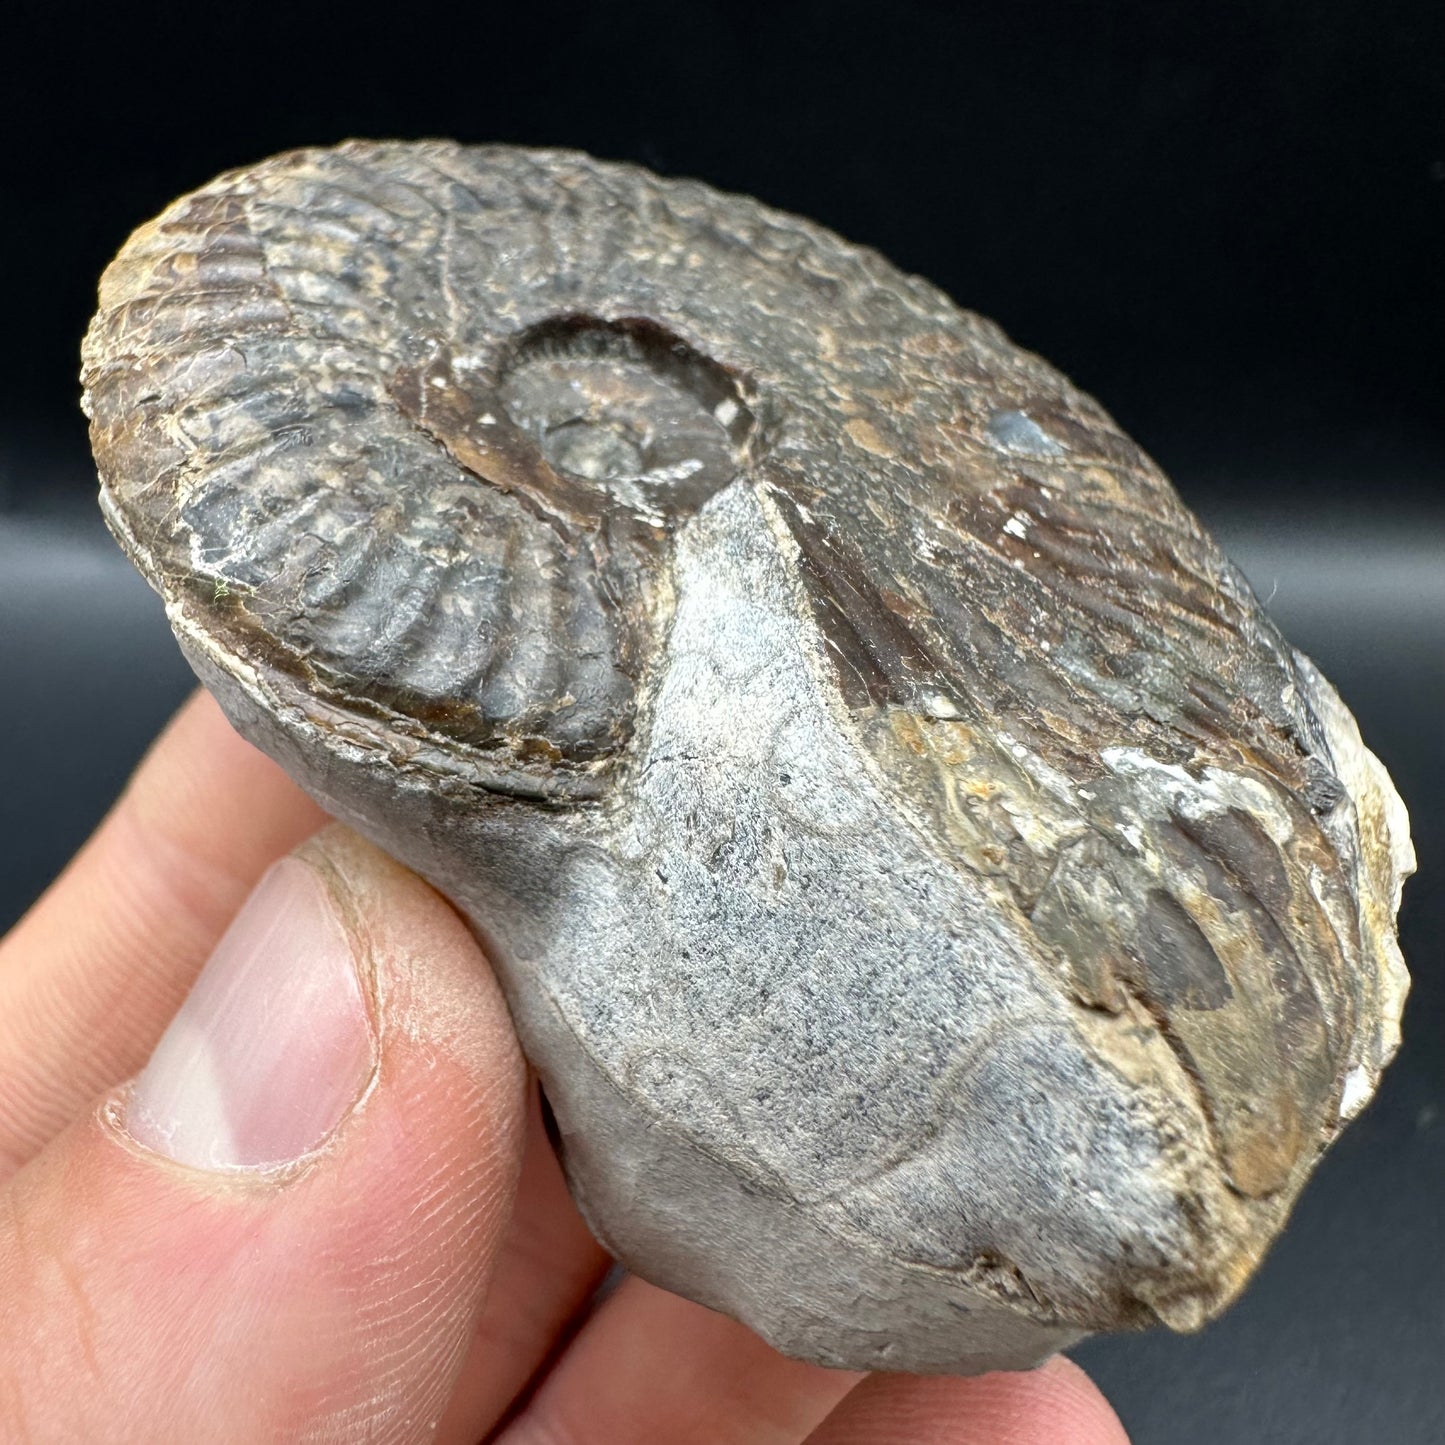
column 946, row 916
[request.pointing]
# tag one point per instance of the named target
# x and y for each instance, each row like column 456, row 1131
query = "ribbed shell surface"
column 299, row 384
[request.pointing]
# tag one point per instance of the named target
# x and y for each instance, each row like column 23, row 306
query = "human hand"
column 326, row 1209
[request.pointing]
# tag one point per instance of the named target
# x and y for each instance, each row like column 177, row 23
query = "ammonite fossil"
column 946, row 916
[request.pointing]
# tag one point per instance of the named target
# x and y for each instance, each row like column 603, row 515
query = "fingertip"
column 97, row 965
column 440, row 992
column 199, row 1273
column 1056, row 1402
column 1077, row 1398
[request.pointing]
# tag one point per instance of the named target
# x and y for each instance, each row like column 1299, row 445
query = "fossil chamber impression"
column 945, row 915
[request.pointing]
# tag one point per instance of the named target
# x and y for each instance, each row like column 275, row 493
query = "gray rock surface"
column 946, row 916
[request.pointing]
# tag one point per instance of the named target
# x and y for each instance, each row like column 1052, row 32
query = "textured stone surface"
column 947, row 917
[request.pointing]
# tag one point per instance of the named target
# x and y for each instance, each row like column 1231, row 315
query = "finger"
column 653, row 1369
column 548, row 1269
column 1055, row 1403
column 284, row 1229
column 89, row 977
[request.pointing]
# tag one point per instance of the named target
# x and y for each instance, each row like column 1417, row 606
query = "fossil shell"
column 945, row 914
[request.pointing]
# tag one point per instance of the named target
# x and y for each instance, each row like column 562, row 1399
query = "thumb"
column 284, row 1229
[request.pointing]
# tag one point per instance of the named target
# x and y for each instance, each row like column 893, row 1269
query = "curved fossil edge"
column 335, row 750
column 861, row 1311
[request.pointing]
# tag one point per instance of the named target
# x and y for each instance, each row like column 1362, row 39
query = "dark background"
column 1225, row 221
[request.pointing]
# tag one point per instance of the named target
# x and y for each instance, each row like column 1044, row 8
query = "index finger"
column 93, row 972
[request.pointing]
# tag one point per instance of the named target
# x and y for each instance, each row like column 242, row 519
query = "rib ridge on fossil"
column 946, row 915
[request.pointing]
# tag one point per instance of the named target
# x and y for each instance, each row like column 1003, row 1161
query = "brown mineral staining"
column 866, row 435
column 906, row 841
